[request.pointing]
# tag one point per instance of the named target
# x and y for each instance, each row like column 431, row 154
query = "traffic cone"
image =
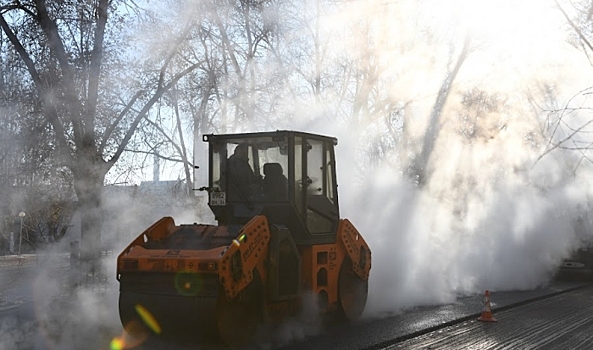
column 487, row 312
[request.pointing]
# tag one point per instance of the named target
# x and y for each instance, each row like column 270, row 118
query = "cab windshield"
column 251, row 169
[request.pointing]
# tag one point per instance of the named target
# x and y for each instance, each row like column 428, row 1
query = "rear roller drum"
column 352, row 292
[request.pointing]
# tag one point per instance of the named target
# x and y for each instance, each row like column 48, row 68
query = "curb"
column 8, row 308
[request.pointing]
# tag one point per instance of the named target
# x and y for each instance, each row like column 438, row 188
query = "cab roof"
column 277, row 133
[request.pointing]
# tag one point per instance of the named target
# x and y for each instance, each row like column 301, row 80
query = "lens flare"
column 117, row 344
column 133, row 335
column 148, row 319
column 188, row 283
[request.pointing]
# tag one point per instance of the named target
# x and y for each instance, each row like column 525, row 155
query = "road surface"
column 37, row 314
column 564, row 321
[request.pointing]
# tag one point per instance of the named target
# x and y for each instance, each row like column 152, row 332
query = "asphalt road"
column 563, row 321
column 383, row 333
column 36, row 314
column 451, row 326
column 15, row 274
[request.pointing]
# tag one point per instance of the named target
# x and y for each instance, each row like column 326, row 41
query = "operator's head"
column 242, row 151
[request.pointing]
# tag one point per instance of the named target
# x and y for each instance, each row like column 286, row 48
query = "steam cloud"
column 493, row 215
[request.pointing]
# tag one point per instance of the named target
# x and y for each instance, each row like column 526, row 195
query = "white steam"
column 53, row 314
column 424, row 252
column 493, row 214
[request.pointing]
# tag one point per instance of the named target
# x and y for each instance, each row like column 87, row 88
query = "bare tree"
column 67, row 61
column 419, row 171
column 356, row 77
column 567, row 125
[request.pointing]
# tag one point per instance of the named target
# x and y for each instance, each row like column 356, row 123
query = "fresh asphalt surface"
column 452, row 326
column 562, row 321
column 383, row 333
column 437, row 327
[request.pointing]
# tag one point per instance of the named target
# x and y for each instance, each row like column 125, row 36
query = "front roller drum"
column 168, row 305
column 173, row 317
column 204, row 316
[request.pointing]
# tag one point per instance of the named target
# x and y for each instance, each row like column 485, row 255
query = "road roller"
column 278, row 240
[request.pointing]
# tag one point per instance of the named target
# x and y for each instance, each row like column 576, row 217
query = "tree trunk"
column 88, row 182
column 419, row 172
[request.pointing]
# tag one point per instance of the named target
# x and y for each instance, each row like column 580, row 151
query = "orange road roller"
column 279, row 238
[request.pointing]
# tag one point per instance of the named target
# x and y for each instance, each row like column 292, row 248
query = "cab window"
column 322, row 213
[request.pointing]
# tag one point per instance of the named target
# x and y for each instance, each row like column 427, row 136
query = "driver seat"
column 275, row 184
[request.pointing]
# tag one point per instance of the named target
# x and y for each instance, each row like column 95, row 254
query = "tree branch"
column 109, row 131
column 57, row 48
column 17, row 6
column 170, row 140
column 95, row 67
column 574, row 26
column 227, row 43
column 169, row 159
column 50, row 112
column 183, row 150
column 559, row 143
column 157, row 95
column 172, row 53
column 22, row 52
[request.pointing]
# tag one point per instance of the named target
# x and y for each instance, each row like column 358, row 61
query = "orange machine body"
column 234, row 264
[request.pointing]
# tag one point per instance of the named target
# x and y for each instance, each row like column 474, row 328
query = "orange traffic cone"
column 487, row 312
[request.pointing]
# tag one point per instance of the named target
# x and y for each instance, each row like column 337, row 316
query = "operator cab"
column 288, row 176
